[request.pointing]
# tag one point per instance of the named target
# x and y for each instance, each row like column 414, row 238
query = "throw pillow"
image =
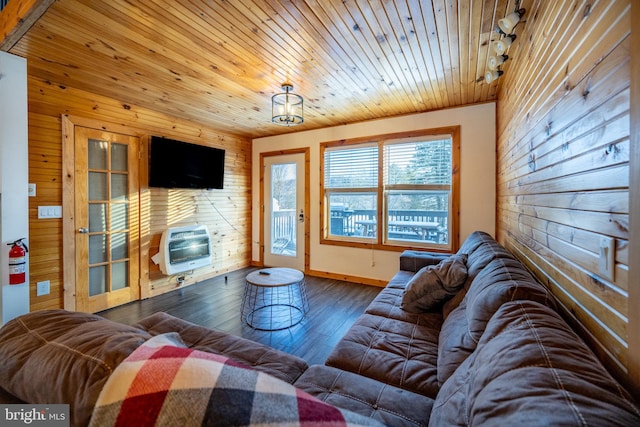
column 434, row 284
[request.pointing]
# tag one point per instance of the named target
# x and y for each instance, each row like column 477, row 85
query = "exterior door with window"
column 284, row 211
column 106, row 219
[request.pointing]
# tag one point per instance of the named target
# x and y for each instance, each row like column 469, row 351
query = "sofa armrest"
column 414, row 260
column 279, row 364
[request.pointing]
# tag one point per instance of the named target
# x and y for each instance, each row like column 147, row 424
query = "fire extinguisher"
column 17, row 262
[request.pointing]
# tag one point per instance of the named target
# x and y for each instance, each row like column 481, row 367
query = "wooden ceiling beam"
column 17, row 17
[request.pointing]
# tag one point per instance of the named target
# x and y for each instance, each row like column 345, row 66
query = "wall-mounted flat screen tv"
column 177, row 164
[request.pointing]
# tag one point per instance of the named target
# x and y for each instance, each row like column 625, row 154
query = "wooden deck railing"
column 351, row 223
column 284, row 224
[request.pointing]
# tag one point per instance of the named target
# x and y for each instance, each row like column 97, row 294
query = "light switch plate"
column 49, row 212
column 43, row 288
column 32, row 190
column 606, row 262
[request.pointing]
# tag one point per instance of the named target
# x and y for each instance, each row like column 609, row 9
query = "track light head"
column 491, row 76
column 508, row 23
column 501, row 46
column 496, row 61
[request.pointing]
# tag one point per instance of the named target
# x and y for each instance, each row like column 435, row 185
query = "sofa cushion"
column 57, row 356
column 434, row 284
column 454, row 344
column 474, row 240
column 481, row 249
column 502, row 280
column 383, row 402
column 388, row 304
column 284, row 366
column 524, row 372
column 413, row 261
column 399, row 353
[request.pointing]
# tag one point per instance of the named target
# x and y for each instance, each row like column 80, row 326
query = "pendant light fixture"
column 286, row 107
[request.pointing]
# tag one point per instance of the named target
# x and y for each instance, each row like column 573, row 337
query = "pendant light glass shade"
column 286, row 107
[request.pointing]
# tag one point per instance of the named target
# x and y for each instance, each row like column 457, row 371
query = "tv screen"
column 176, row 164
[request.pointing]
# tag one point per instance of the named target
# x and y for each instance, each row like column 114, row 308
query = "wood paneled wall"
column 226, row 212
column 563, row 162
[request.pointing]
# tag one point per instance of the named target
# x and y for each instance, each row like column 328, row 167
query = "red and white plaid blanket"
column 163, row 383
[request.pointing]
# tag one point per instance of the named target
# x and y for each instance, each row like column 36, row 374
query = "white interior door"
column 284, row 202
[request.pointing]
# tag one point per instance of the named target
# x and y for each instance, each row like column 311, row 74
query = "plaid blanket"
column 163, row 383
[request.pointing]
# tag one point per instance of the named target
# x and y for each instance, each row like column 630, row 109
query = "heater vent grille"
column 185, row 248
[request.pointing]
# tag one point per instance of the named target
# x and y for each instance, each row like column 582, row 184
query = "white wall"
column 477, row 198
column 14, row 175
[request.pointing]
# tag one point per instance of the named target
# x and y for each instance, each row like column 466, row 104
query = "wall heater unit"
column 185, row 248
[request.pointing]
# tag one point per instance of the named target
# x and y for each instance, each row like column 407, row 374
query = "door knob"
column 83, row 230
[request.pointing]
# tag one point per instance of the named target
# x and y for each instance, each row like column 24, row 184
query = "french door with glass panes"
column 285, row 222
column 106, row 218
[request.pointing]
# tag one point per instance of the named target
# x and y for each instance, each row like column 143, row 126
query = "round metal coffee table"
column 274, row 299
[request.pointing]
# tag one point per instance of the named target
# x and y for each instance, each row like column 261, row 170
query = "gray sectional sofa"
column 493, row 352
column 497, row 353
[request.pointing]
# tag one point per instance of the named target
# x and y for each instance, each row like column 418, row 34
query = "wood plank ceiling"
column 219, row 62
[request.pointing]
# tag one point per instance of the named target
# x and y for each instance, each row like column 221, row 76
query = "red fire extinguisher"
column 17, row 262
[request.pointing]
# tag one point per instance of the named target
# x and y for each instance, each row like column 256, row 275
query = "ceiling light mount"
column 287, row 107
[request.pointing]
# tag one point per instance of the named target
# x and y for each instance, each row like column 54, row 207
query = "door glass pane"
column 119, row 216
column 119, row 187
column 97, row 280
column 283, row 209
column 118, row 157
column 97, row 186
column 97, row 217
column 119, row 246
column 119, row 275
column 98, row 154
column 97, row 249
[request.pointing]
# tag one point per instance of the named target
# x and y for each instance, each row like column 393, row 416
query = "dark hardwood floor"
column 215, row 303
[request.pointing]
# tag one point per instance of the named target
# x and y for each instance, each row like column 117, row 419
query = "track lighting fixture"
column 505, row 29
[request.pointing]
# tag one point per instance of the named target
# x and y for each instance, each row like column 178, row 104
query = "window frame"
column 380, row 241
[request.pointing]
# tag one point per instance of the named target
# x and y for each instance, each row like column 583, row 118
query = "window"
column 393, row 191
